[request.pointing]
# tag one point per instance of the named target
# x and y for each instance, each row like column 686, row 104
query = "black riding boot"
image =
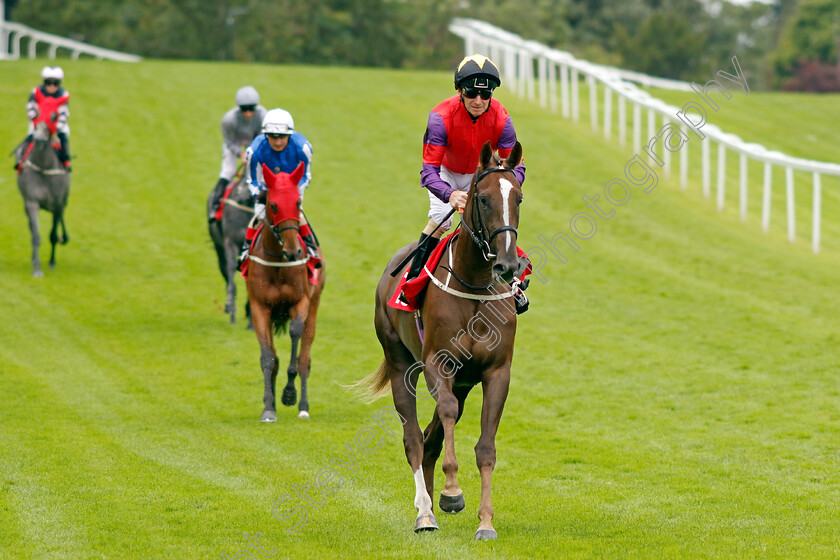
column 64, row 152
column 422, row 254
column 215, row 198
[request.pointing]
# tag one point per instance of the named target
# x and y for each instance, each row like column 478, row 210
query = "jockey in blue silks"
column 281, row 149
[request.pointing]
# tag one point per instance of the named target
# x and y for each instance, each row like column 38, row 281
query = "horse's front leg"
column 268, row 359
column 32, row 207
column 305, row 358
column 298, row 313
column 54, row 237
column 495, row 387
column 230, row 278
column 451, row 498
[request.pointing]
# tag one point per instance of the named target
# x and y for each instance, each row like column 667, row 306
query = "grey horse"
column 45, row 185
column 228, row 235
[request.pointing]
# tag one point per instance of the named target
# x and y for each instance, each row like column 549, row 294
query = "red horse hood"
column 283, row 192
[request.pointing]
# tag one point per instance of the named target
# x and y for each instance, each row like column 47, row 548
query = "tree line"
column 789, row 44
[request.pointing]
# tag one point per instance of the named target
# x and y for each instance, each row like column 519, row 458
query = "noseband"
column 479, row 235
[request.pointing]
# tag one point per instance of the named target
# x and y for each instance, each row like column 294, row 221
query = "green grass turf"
column 674, row 393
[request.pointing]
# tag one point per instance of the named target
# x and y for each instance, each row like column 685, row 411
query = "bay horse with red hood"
column 280, row 291
column 469, row 325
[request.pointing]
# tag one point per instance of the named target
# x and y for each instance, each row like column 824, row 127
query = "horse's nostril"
column 502, row 271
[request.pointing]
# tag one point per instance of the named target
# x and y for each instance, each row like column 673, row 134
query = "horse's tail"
column 280, row 320
column 374, row 386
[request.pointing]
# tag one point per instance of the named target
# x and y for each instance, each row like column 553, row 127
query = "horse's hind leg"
column 452, row 497
column 495, row 389
column 295, row 332
column 32, row 209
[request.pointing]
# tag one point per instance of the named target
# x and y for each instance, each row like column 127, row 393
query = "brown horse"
column 469, row 332
column 279, row 291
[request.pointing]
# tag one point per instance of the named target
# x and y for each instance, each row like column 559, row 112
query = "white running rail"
column 12, row 33
column 534, row 69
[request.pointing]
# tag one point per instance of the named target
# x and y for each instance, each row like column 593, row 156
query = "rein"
column 51, row 171
column 479, row 236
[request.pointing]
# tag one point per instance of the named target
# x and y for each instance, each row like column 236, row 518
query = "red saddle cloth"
column 312, row 273
column 412, row 289
column 218, row 215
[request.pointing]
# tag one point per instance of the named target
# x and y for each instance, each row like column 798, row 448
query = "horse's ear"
column 515, row 156
column 270, row 178
column 485, row 156
column 297, row 174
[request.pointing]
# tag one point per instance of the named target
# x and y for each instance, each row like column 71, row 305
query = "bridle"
column 276, row 230
column 479, row 234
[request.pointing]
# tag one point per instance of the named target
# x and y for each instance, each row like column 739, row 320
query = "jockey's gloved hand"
column 261, row 197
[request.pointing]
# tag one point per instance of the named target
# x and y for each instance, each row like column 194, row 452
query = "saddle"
column 414, row 289
column 218, row 215
column 312, row 274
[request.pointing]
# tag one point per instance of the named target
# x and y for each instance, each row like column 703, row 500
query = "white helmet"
column 247, row 96
column 278, row 121
column 52, row 72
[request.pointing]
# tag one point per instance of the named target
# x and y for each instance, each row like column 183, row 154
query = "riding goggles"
column 247, row 108
column 275, row 136
column 51, row 82
column 472, row 93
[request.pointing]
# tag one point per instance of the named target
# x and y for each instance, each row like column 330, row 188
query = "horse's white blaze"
column 506, row 186
column 422, row 500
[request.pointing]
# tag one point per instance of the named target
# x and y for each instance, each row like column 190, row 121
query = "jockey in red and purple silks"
column 454, row 139
column 457, row 129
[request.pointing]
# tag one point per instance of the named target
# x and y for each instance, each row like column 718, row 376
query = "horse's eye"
column 482, row 199
column 519, row 199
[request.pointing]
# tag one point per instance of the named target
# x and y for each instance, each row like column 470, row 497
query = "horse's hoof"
column 452, row 504
column 52, row 266
column 38, row 273
column 425, row 522
column 268, row 416
column 289, row 396
column 303, row 415
column 485, row 535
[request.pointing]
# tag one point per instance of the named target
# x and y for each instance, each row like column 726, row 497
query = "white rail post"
column 721, row 186
column 791, row 208
column 707, row 189
column 564, row 91
column 765, row 198
column 607, row 112
column 593, row 101
column 817, row 211
column 529, row 74
column 742, row 187
column 575, row 96
column 521, row 58
column 651, row 129
column 637, row 127
column 622, row 119
column 552, row 86
column 542, row 69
